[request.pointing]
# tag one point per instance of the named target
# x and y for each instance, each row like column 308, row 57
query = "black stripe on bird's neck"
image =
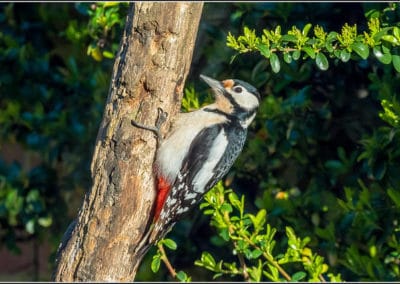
column 240, row 111
column 231, row 100
column 243, row 116
column 220, row 112
column 235, row 118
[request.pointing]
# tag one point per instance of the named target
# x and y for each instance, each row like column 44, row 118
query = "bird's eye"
column 238, row 89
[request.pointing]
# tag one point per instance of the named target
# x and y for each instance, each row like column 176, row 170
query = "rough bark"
column 149, row 72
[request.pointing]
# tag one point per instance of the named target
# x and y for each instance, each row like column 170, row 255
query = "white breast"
column 175, row 146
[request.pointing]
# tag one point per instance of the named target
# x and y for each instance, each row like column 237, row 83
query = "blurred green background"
column 319, row 158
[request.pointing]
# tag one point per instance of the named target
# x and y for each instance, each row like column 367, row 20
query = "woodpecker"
column 199, row 150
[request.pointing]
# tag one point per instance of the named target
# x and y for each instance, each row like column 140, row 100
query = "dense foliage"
column 318, row 179
column 52, row 98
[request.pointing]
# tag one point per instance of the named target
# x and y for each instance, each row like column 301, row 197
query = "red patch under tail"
column 163, row 188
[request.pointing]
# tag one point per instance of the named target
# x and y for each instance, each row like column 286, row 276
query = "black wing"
column 177, row 203
column 182, row 196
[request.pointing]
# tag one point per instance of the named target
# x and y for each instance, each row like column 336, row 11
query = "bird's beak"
column 217, row 86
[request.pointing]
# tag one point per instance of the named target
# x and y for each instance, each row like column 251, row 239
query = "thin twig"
column 240, row 255
column 165, row 259
column 271, row 260
column 280, row 269
column 322, row 278
column 244, row 267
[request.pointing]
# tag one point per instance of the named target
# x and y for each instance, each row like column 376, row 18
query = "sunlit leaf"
column 299, row 276
column 287, row 57
column 275, row 64
column 169, row 244
column 396, row 62
column 310, row 52
column 155, row 263
column 264, row 50
column 385, row 58
column 322, row 61
column 45, row 221
column 296, row 54
column 361, row 49
column 345, row 55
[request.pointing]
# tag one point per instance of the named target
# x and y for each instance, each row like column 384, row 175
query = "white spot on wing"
column 171, row 201
column 182, row 210
column 190, row 195
column 163, row 214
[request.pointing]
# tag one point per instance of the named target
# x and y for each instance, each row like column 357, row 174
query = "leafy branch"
column 253, row 242
column 106, row 21
column 161, row 255
column 383, row 40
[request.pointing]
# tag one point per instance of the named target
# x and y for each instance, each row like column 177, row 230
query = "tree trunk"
column 149, row 72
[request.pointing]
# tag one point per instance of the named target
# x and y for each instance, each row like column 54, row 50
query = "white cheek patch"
column 245, row 100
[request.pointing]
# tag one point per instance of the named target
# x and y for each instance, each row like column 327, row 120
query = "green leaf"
column 290, row 233
column 45, row 221
column 30, row 226
column 255, row 273
column 298, row 276
column 372, row 13
column 329, row 47
column 306, row 29
column 260, row 218
column 344, row 55
column 385, row 58
column 224, row 233
column 322, row 61
column 155, row 263
column 289, row 38
column 396, row 62
column 208, row 212
column 204, row 204
column 361, row 49
column 226, row 207
column 331, row 36
column 108, row 54
column 169, row 244
column 310, row 52
column 296, row 54
column 256, row 253
column 208, row 260
column 385, row 48
column 333, row 165
column 275, row 64
column 395, row 196
column 264, row 50
column 393, row 40
column 233, row 198
column 274, row 275
column 396, row 32
column 379, row 169
column 287, row 57
column 378, row 36
column 182, row 276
